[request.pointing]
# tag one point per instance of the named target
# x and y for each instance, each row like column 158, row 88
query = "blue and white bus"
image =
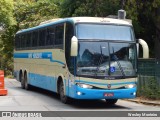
column 79, row 57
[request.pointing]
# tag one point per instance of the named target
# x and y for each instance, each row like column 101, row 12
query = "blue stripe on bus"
column 50, row 83
column 45, row 82
column 42, row 81
column 95, row 83
column 37, row 55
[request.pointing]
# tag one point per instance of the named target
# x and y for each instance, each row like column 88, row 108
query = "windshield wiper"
column 99, row 61
column 118, row 63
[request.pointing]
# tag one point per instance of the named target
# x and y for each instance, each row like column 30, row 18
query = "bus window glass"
column 17, row 42
column 34, row 38
column 59, row 34
column 50, row 36
column 123, row 59
column 28, row 41
column 105, row 32
column 22, row 41
column 98, row 58
column 42, row 36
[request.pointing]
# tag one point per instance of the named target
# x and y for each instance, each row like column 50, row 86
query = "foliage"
column 6, row 51
column 144, row 16
column 150, row 88
column 7, row 32
column 6, row 13
column 101, row 8
column 27, row 13
column 31, row 13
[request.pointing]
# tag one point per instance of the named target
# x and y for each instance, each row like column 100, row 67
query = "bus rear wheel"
column 111, row 101
column 22, row 81
column 63, row 97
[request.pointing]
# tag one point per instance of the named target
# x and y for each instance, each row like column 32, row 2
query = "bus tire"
column 27, row 87
column 64, row 99
column 111, row 101
column 22, row 80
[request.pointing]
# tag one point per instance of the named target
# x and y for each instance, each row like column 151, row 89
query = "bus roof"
column 98, row 20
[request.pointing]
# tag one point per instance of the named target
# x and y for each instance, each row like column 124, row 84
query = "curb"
column 145, row 101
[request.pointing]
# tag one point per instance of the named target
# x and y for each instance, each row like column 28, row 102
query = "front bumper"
column 83, row 93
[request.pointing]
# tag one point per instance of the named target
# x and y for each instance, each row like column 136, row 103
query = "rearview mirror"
column 74, row 46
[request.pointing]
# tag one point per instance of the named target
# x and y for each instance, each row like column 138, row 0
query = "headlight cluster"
column 130, row 86
column 84, row 86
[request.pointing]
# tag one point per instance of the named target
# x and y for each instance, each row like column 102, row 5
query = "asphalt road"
column 19, row 99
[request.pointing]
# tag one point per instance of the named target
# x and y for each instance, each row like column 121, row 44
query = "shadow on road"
column 94, row 104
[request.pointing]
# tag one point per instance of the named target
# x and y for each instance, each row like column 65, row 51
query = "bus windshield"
column 106, row 59
column 100, row 55
column 105, row 31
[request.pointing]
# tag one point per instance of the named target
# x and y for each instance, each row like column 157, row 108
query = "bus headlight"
column 84, row 86
column 130, row 86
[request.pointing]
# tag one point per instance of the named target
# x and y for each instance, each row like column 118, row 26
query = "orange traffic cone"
column 3, row 91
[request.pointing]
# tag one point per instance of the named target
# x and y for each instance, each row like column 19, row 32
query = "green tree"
column 31, row 13
column 145, row 19
column 27, row 13
column 6, row 13
column 7, row 22
column 6, row 49
column 99, row 8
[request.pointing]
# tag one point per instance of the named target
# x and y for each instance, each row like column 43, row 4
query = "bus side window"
column 50, row 36
column 34, row 38
column 42, row 37
column 28, row 40
column 23, row 41
column 17, row 41
column 59, row 34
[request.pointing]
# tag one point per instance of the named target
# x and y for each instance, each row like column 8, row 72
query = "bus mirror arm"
column 144, row 47
column 74, row 46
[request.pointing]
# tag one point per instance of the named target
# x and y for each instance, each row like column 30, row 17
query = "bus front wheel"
column 63, row 97
column 111, row 101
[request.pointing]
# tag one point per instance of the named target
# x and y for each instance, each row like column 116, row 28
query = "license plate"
column 108, row 94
